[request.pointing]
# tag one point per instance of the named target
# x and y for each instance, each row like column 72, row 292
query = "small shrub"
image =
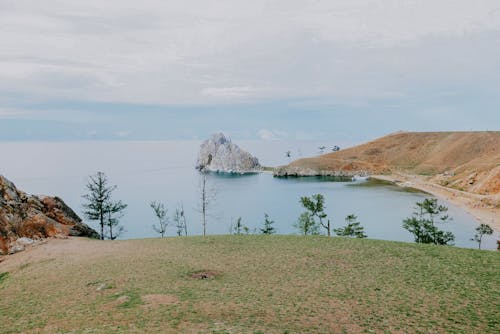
column 353, row 228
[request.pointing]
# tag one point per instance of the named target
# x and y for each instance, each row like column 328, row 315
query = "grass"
column 262, row 284
column 3, row 276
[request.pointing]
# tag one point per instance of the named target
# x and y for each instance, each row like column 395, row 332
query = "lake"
column 164, row 171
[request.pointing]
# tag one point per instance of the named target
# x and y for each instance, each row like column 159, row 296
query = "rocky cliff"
column 219, row 154
column 27, row 218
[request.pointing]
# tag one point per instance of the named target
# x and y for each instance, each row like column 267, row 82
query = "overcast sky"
column 291, row 69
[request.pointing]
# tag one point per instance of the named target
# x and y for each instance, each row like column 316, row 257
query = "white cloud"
column 265, row 134
column 229, row 92
column 160, row 51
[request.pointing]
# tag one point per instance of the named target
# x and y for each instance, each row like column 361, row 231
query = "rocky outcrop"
column 295, row 171
column 26, row 217
column 219, row 154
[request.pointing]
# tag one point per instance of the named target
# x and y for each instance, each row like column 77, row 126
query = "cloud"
column 265, row 134
column 230, row 92
column 199, row 52
column 13, row 113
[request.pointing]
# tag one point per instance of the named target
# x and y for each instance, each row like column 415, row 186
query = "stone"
column 25, row 218
column 16, row 249
column 25, row 241
column 219, row 154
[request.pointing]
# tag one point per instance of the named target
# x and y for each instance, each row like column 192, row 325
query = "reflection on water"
column 164, row 171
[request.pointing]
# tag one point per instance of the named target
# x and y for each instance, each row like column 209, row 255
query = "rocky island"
column 26, row 219
column 219, row 154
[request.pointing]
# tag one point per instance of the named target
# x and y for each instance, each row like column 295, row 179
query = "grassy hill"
column 249, row 284
column 468, row 161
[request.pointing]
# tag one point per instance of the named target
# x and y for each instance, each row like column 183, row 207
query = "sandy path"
column 470, row 203
column 72, row 247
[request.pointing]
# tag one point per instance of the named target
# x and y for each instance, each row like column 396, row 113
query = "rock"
column 27, row 218
column 285, row 171
column 16, row 249
column 25, row 241
column 219, row 154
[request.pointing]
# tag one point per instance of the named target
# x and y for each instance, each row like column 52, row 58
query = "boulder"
column 219, row 154
column 25, row 218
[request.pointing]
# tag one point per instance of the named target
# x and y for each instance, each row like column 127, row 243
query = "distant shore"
column 484, row 208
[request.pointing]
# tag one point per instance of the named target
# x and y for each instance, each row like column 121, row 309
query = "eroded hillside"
column 468, row 161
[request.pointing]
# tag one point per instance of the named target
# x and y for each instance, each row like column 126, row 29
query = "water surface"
column 164, row 171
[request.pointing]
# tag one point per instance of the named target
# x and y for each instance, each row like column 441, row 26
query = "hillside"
column 467, row 161
column 248, row 284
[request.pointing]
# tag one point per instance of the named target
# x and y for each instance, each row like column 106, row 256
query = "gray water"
column 164, row 171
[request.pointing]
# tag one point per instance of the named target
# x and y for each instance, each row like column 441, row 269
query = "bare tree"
column 180, row 220
column 207, row 197
column 161, row 214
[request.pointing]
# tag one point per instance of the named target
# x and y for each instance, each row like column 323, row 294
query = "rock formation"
column 25, row 218
column 219, row 154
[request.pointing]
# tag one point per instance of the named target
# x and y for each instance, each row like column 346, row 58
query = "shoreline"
column 473, row 204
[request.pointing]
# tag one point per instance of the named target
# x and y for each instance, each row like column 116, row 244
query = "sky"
column 335, row 70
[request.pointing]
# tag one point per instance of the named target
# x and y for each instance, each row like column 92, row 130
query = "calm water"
column 164, row 171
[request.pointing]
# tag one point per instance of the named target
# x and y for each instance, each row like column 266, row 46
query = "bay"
column 164, row 171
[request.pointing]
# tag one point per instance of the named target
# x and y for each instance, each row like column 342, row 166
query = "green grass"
column 3, row 276
column 263, row 284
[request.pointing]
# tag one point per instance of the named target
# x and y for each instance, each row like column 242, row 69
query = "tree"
column 306, row 224
column 180, row 221
column 161, row 214
column 238, row 227
column 207, row 196
column 268, row 225
column 114, row 211
column 483, row 229
column 422, row 223
column 316, row 209
column 352, row 229
column 100, row 207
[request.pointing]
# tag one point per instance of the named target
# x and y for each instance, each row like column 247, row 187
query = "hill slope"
column 468, row 161
column 254, row 284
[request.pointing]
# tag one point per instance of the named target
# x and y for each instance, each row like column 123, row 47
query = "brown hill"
column 468, row 161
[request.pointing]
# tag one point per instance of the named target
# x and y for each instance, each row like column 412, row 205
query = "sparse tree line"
column 423, row 224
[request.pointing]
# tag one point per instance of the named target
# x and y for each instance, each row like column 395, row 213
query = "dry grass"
column 261, row 284
column 473, row 157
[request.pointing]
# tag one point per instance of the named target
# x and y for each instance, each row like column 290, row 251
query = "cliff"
column 24, row 218
column 219, row 154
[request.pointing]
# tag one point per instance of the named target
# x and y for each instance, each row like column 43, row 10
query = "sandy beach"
column 485, row 208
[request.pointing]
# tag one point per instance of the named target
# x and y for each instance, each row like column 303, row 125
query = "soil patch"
column 204, row 274
column 158, row 300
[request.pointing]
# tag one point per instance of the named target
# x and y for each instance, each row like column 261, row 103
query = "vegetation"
column 268, row 227
column 481, row 230
column 180, row 221
column 315, row 206
column 100, row 207
column 353, row 228
column 231, row 284
column 238, row 228
column 161, row 215
column 3, row 276
column 207, row 197
column 422, row 224
column 306, row 224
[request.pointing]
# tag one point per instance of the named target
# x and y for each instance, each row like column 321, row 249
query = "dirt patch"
column 204, row 274
column 152, row 301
